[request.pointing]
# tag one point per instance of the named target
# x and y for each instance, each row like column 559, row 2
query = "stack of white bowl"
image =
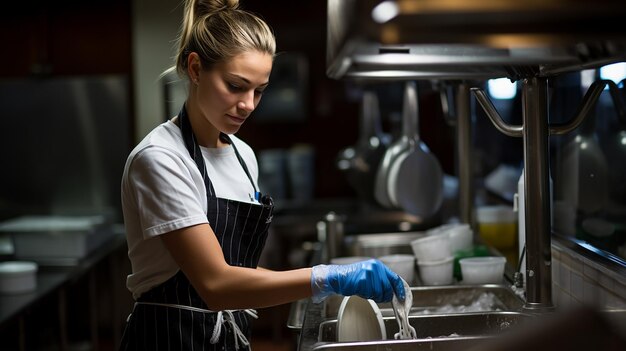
column 435, row 252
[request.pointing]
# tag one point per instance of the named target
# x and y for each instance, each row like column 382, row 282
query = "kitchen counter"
column 52, row 282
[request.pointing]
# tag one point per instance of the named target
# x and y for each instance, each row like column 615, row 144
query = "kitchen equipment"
column 360, row 163
column 482, row 270
column 56, row 240
column 436, row 272
column 431, row 247
column 402, row 264
column 406, row 39
column 17, row 277
column 414, row 179
column 360, row 319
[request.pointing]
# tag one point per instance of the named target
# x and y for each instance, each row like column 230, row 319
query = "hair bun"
column 212, row 6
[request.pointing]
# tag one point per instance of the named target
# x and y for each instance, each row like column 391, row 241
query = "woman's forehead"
column 252, row 66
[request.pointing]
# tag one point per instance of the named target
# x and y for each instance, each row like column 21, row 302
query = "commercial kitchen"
column 476, row 147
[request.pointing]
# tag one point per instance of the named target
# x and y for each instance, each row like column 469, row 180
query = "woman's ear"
column 194, row 66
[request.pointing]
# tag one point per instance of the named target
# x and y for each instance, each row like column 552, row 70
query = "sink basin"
column 445, row 299
column 443, row 326
column 439, row 344
column 438, row 318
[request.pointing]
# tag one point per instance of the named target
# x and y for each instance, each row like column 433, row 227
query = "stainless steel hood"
column 471, row 39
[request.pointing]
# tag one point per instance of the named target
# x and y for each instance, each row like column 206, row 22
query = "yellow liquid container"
column 497, row 226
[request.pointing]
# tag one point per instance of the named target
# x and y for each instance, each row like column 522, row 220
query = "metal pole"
column 537, row 195
column 464, row 153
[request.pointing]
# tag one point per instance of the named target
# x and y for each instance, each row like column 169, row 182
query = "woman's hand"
column 369, row 279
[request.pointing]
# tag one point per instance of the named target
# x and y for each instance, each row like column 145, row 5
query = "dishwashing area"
column 462, row 295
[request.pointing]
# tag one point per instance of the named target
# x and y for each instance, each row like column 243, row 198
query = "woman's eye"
column 234, row 87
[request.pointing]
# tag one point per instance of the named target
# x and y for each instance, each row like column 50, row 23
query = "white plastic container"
column 432, row 247
column 482, row 270
column 18, row 277
column 461, row 235
column 436, row 272
column 402, row 264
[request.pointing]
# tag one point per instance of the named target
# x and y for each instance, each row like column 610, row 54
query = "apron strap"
column 225, row 316
column 226, row 138
column 194, row 150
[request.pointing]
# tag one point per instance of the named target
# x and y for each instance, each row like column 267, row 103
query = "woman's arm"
column 199, row 255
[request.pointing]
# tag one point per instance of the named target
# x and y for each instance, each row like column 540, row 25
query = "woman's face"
column 229, row 91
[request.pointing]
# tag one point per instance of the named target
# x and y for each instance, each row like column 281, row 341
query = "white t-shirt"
column 163, row 190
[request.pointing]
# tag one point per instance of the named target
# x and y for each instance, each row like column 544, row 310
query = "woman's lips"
column 237, row 120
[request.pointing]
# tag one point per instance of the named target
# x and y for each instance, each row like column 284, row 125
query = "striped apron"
column 172, row 316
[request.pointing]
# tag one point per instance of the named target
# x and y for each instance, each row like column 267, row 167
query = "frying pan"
column 414, row 177
column 361, row 161
column 394, row 150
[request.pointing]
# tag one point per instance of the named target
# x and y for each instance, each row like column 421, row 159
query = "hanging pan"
column 414, row 178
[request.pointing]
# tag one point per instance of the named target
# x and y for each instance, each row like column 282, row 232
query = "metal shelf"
column 473, row 39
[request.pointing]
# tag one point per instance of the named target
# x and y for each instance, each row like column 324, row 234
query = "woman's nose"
column 247, row 102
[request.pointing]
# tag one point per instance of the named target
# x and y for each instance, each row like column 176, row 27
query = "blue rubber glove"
column 369, row 279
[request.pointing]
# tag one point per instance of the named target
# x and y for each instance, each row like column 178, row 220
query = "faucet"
column 536, row 131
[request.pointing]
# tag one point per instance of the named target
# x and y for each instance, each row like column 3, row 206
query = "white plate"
column 360, row 319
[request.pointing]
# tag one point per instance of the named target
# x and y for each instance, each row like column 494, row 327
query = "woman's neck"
column 206, row 134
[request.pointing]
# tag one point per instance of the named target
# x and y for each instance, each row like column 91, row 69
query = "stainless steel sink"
column 438, row 328
column 444, row 299
column 438, row 344
column 443, row 326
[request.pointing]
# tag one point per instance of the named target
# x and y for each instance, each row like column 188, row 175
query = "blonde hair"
column 218, row 30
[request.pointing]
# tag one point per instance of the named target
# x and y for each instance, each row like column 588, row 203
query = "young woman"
column 195, row 220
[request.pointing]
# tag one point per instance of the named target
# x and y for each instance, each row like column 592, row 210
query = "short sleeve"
column 168, row 194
